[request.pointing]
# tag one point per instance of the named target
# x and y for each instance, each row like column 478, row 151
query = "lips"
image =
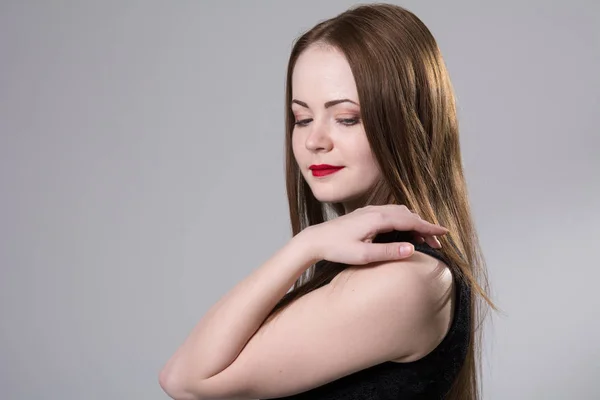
column 324, row 169
column 324, row 166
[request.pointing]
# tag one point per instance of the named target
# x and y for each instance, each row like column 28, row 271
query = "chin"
column 324, row 197
column 327, row 199
column 334, row 197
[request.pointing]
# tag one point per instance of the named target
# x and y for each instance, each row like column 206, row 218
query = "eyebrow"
column 327, row 104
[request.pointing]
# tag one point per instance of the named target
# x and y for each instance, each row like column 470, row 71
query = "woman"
column 372, row 154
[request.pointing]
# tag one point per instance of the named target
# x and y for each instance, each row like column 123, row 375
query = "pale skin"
column 388, row 306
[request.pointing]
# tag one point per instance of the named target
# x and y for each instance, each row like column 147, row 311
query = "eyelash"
column 342, row 121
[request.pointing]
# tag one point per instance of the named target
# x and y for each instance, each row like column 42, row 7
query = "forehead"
column 322, row 72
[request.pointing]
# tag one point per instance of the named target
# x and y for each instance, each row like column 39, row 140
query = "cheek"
column 368, row 162
column 362, row 154
column 370, row 159
column 371, row 167
column 297, row 149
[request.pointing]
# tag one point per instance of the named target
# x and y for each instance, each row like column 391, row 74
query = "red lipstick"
column 324, row 169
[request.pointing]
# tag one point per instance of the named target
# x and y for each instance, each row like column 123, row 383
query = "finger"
column 394, row 217
column 387, row 252
column 419, row 225
column 418, row 217
column 417, row 237
column 434, row 242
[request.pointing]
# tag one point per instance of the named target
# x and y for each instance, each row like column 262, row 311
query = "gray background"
column 141, row 177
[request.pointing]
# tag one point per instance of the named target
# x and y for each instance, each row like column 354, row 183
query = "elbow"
column 172, row 387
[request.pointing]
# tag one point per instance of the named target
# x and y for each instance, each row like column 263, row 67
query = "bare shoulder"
column 420, row 288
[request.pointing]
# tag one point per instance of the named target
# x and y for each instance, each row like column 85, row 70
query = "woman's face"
column 328, row 128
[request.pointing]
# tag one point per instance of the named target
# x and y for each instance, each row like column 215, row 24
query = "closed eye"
column 303, row 122
column 342, row 121
column 348, row 121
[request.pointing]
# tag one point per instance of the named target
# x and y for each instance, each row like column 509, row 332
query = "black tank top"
column 429, row 377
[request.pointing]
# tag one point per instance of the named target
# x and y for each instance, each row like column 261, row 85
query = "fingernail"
column 405, row 250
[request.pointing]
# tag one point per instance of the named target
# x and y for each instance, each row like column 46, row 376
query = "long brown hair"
column 409, row 115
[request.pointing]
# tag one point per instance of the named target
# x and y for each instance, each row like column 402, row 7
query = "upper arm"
column 367, row 315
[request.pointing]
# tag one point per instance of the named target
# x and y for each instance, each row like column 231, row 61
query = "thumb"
column 390, row 251
column 406, row 250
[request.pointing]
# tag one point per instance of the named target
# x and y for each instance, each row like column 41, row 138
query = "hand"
column 347, row 239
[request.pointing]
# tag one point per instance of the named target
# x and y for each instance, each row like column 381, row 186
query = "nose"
column 318, row 139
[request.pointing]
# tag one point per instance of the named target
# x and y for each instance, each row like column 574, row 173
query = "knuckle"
column 379, row 215
column 390, row 251
column 364, row 255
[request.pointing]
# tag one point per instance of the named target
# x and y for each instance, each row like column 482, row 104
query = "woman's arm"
column 225, row 329
column 380, row 313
